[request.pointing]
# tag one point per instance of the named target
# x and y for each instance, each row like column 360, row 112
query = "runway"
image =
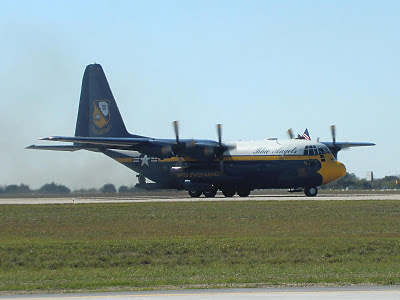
column 366, row 293
column 219, row 197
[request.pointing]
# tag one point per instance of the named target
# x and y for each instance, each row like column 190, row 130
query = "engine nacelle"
column 161, row 152
column 201, row 152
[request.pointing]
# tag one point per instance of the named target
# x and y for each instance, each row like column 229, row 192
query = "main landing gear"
column 195, row 194
column 207, row 194
column 243, row 191
column 210, row 193
column 227, row 192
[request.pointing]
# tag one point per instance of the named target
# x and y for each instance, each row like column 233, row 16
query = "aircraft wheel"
column 210, row 193
column 229, row 192
column 195, row 194
column 243, row 192
column 311, row 191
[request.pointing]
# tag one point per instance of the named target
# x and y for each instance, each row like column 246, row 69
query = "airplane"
column 198, row 166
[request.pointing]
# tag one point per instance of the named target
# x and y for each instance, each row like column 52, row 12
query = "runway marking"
column 209, row 294
column 149, row 199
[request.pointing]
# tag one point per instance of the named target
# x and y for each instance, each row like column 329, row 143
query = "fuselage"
column 268, row 163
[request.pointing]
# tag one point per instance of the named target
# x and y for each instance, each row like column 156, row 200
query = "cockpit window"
column 326, row 149
column 310, row 150
column 314, row 150
column 306, row 151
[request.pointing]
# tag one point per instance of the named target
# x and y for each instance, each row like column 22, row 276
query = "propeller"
column 333, row 133
column 178, row 147
column 290, row 133
column 176, row 129
column 219, row 131
column 222, row 148
column 343, row 146
column 334, row 147
column 185, row 147
column 181, row 146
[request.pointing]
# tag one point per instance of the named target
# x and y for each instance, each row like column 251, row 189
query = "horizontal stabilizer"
column 57, row 148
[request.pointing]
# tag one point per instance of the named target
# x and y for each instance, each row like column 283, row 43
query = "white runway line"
column 144, row 199
column 368, row 293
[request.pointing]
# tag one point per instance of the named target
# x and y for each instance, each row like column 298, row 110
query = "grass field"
column 202, row 244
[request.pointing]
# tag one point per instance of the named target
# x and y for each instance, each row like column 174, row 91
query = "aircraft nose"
column 340, row 170
column 333, row 171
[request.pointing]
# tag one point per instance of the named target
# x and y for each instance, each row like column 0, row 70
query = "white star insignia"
column 145, row 161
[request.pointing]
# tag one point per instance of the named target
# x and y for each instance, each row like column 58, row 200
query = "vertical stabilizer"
column 98, row 113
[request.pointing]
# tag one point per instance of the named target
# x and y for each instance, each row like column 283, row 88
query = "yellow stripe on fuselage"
column 328, row 158
column 252, row 158
column 124, row 159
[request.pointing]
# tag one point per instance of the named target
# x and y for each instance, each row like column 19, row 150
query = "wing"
column 163, row 148
column 335, row 147
column 344, row 145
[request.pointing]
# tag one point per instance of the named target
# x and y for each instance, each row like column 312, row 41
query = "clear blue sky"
column 257, row 67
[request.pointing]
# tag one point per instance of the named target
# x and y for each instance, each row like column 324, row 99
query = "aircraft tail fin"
column 98, row 114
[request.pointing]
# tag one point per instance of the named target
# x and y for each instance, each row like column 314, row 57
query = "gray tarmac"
column 366, row 293
column 219, row 197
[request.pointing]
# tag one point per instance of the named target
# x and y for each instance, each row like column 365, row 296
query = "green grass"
column 151, row 245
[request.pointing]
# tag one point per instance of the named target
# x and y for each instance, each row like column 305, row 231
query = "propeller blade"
column 221, row 154
column 290, row 133
column 333, row 132
column 219, row 131
column 176, row 129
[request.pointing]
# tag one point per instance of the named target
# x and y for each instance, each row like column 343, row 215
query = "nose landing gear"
column 311, row 191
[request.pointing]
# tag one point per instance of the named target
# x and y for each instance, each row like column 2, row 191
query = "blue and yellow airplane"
column 198, row 166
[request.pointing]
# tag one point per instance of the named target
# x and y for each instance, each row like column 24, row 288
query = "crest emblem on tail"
column 101, row 113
